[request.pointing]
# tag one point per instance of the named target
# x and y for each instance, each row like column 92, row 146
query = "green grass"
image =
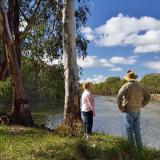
column 20, row 143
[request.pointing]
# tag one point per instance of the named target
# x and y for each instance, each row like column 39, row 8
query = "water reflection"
column 46, row 112
column 53, row 121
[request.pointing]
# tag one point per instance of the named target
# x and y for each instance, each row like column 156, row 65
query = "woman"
column 88, row 109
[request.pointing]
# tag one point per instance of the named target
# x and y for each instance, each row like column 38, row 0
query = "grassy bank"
column 20, row 143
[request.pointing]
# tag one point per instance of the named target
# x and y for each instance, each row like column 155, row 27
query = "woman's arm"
column 91, row 103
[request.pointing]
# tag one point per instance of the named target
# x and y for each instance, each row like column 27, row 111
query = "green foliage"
column 29, row 71
column 109, row 87
column 151, row 82
column 42, row 38
column 112, row 85
column 51, row 82
column 81, row 13
column 42, row 81
column 5, row 91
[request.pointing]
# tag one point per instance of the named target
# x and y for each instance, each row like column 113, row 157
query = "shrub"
column 70, row 128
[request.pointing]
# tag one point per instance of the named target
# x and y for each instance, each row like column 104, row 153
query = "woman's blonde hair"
column 87, row 85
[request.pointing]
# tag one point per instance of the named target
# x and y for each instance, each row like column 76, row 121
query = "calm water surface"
column 108, row 119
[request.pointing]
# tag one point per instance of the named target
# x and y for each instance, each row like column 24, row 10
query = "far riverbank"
column 155, row 97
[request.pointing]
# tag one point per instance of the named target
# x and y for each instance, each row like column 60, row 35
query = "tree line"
column 111, row 85
column 45, row 82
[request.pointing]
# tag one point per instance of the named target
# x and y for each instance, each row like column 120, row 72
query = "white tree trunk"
column 71, row 105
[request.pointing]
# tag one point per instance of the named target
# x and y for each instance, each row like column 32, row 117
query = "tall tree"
column 40, row 22
column 20, row 111
column 71, row 105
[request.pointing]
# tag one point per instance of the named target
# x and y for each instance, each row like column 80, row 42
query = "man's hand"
column 122, row 108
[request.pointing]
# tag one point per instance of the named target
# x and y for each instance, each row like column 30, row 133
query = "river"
column 109, row 119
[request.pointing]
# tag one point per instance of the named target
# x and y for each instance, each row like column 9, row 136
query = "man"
column 131, row 98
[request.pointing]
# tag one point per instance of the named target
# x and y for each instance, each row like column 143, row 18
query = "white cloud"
column 96, row 62
column 23, row 25
column 55, row 62
column 122, row 60
column 94, row 79
column 155, row 65
column 142, row 33
column 147, row 48
column 88, row 32
column 116, row 69
column 52, row 62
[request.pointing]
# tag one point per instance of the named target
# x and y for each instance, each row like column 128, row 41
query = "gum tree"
column 71, row 104
column 20, row 112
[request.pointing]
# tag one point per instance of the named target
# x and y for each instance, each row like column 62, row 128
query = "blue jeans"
column 132, row 127
column 88, row 121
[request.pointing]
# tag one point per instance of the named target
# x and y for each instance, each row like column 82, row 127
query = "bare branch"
column 24, row 16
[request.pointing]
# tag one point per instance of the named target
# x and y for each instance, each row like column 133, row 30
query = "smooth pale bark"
column 21, row 113
column 71, row 105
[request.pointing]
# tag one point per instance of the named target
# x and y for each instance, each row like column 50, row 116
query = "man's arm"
column 122, row 92
column 146, row 97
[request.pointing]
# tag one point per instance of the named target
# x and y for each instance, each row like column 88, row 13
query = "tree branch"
column 29, row 20
column 24, row 16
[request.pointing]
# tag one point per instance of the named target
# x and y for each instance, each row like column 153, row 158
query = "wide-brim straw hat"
column 130, row 76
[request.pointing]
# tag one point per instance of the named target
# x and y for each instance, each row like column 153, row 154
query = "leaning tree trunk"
column 71, row 104
column 21, row 113
column 13, row 19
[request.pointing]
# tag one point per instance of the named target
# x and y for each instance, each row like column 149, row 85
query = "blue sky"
column 123, row 34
